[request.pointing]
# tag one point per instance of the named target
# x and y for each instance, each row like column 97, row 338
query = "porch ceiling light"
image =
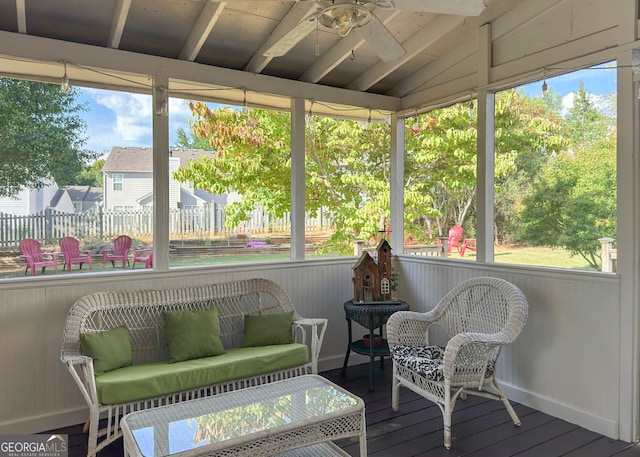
column 344, row 16
column 64, row 84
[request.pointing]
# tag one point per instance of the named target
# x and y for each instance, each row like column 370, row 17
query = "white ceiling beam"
column 424, row 75
column 297, row 13
column 117, row 26
column 341, row 50
column 21, row 15
column 208, row 17
column 428, row 35
column 55, row 51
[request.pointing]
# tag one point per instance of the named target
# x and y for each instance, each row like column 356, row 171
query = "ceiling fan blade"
column 291, row 38
column 457, row 7
column 381, row 40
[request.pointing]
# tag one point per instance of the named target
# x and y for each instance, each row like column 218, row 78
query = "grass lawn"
column 539, row 256
column 517, row 255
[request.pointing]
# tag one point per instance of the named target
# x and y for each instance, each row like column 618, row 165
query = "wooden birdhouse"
column 384, row 268
column 371, row 280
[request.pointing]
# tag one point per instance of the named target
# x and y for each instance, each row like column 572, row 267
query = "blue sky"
column 124, row 119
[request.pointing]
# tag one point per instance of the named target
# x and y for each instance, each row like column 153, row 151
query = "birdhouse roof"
column 364, row 261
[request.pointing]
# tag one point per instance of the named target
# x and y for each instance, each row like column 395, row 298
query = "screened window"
column 555, row 175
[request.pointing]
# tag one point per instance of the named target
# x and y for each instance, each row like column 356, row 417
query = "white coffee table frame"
column 314, row 411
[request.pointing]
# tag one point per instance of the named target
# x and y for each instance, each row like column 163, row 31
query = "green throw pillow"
column 109, row 350
column 267, row 329
column 192, row 334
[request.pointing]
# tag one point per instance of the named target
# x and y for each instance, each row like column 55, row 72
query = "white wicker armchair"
column 479, row 316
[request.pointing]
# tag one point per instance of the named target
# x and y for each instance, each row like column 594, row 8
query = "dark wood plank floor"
column 481, row 428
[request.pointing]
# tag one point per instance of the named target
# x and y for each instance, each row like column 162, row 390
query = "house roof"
column 84, row 193
column 132, row 159
column 55, row 200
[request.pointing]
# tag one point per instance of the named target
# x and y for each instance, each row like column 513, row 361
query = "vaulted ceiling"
column 265, row 51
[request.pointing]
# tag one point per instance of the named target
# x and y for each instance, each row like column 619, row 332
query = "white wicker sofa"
column 143, row 315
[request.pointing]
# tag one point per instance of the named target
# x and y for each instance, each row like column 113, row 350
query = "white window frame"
column 117, row 179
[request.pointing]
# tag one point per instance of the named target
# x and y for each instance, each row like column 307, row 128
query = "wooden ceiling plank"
column 201, row 30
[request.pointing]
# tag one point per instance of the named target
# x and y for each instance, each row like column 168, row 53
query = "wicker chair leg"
column 92, row 442
column 505, row 401
column 446, row 416
column 395, row 392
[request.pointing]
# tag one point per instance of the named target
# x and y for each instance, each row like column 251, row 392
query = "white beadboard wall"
column 565, row 363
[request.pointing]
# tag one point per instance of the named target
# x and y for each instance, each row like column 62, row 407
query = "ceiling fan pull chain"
column 317, row 43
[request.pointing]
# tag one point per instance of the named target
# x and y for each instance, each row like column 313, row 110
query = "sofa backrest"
column 141, row 311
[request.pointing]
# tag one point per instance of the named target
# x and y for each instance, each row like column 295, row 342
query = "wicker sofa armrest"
column 81, row 369
column 311, row 330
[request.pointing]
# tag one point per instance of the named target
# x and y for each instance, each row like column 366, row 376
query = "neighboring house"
column 33, row 201
column 128, row 180
column 84, row 198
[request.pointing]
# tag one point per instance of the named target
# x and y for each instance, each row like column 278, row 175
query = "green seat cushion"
column 138, row 382
column 266, row 329
column 109, row 350
column 192, row 334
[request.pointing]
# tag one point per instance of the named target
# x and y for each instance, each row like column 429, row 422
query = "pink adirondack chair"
column 455, row 236
column 32, row 253
column 144, row 256
column 70, row 248
column 120, row 251
column 468, row 243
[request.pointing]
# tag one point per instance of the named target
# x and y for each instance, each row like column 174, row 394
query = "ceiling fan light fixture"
column 344, row 17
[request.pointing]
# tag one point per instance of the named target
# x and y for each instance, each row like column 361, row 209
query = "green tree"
column 528, row 132
column 442, row 159
column 188, row 141
column 347, row 168
column 90, row 175
column 40, row 135
column 573, row 200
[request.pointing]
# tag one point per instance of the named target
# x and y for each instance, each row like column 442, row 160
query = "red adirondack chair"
column 144, row 256
column 70, row 248
column 120, row 251
column 468, row 243
column 455, row 236
column 455, row 239
column 32, row 253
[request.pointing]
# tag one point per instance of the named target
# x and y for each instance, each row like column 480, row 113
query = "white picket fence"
column 203, row 222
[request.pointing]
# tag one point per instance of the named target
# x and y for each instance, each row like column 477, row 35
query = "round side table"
column 371, row 315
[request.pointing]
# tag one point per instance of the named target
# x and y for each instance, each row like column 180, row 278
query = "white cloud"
column 567, row 103
column 601, row 102
column 133, row 116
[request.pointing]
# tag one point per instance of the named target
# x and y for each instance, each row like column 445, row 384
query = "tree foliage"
column 90, row 175
column 442, row 160
column 573, row 200
column 40, row 135
column 347, row 168
column 554, row 180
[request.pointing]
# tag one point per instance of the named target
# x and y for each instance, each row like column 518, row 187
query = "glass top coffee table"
column 296, row 417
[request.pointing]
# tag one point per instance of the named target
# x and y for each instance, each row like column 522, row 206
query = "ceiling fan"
column 347, row 15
